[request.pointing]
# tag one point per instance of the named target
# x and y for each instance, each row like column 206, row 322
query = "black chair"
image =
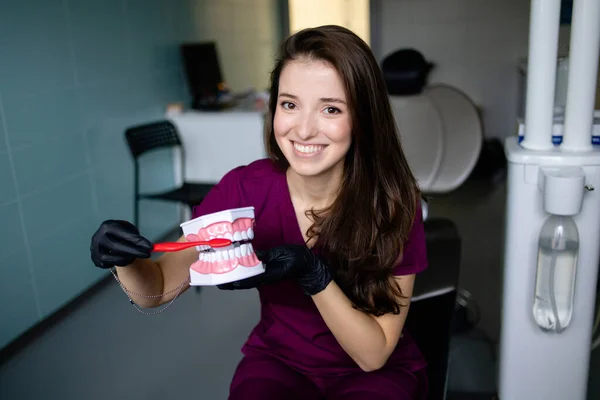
column 153, row 136
column 429, row 321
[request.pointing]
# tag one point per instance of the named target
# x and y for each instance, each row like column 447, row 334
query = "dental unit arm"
column 552, row 231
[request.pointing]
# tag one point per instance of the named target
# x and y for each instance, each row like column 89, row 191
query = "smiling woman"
column 312, row 123
column 337, row 226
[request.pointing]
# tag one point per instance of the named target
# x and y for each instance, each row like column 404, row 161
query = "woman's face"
column 312, row 122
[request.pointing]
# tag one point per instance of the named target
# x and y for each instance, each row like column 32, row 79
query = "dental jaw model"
column 216, row 266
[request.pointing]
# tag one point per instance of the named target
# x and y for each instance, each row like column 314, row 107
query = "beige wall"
column 247, row 36
column 352, row 14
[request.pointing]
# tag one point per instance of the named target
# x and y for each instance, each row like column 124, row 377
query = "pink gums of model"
column 227, row 264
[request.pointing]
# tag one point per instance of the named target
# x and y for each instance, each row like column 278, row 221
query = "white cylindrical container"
column 541, row 74
column 583, row 70
column 563, row 189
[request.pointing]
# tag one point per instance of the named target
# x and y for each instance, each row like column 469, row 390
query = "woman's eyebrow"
column 287, row 95
column 332, row 100
column 323, row 99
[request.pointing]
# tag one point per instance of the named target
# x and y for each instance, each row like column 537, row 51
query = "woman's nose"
column 307, row 127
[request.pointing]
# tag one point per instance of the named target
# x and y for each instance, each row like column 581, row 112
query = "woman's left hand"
column 295, row 262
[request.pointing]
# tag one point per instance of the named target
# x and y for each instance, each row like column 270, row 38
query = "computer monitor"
column 203, row 72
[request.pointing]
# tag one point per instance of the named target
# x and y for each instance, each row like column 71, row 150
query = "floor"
column 106, row 349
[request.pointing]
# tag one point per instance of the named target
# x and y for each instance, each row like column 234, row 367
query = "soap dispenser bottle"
column 558, row 248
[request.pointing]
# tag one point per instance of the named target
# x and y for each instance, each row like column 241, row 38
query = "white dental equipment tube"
column 539, row 359
column 539, row 111
column 583, row 70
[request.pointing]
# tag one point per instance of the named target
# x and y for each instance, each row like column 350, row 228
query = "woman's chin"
column 311, row 169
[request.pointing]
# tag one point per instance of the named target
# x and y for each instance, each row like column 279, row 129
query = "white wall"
column 476, row 45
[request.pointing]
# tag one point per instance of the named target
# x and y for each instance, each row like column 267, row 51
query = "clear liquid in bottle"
column 556, row 271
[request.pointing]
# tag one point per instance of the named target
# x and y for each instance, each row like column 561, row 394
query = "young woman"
column 338, row 227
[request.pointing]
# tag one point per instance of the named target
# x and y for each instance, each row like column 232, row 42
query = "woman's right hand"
column 118, row 243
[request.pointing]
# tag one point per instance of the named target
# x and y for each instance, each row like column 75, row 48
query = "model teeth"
column 250, row 233
column 307, row 149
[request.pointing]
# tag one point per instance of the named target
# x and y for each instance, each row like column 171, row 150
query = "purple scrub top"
column 290, row 327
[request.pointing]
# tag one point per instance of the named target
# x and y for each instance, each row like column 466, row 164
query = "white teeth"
column 250, row 233
column 237, row 236
column 307, row 149
column 229, row 236
column 235, row 250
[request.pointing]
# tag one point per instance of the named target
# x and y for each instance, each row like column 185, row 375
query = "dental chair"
column 429, row 321
column 441, row 135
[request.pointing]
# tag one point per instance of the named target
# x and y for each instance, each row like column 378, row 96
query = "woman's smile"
column 307, row 150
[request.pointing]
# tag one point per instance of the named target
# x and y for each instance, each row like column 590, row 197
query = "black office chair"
column 429, row 321
column 156, row 135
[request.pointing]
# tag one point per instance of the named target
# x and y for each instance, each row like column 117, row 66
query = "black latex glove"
column 292, row 261
column 118, row 243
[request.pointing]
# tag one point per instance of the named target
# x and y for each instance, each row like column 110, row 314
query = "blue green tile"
column 100, row 46
column 11, row 230
column 160, row 89
column 32, row 23
column 73, row 76
column 158, row 218
column 48, row 210
column 113, row 185
column 107, row 104
column 182, row 21
column 17, row 297
column 46, row 69
column 152, row 45
column 107, row 145
column 2, row 134
column 7, row 184
column 62, row 272
column 97, row 19
column 101, row 61
column 47, row 164
column 45, row 117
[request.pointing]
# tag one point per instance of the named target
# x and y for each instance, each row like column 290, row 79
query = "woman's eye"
column 287, row 105
column 332, row 110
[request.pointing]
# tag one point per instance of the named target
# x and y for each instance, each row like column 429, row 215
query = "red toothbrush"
column 176, row 246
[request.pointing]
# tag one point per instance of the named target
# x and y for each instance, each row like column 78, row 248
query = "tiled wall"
column 73, row 75
column 476, row 45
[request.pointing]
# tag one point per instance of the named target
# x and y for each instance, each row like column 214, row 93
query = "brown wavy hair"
column 363, row 232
